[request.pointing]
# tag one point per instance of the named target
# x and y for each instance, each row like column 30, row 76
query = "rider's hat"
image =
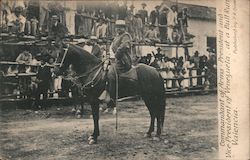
column 55, row 17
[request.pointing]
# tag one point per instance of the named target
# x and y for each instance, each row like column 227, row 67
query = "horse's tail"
column 162, row 100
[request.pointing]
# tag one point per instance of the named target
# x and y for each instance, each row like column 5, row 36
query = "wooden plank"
column 21, row 75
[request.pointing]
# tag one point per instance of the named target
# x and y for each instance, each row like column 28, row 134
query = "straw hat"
column 120, row 23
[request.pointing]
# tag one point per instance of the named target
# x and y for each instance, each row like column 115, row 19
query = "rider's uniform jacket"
column 121, row 46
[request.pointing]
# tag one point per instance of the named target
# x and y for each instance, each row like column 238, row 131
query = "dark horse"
column 91, row 77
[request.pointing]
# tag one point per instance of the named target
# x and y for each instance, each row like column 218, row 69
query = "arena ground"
column 190, row 132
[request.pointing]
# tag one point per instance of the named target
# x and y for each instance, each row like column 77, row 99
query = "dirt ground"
column 190, row 132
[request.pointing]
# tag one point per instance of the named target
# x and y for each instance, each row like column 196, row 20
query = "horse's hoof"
column 78, row 111
column 90, row 138
column 156, row 139
column 106, row 111
column 147, row 135
column 73, row 110
column 92, row 141
column 101, row 109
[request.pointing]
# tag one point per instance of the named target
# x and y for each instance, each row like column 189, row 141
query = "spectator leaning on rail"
column 24, row 57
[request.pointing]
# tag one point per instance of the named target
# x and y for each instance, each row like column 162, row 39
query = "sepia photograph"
column 108, row 80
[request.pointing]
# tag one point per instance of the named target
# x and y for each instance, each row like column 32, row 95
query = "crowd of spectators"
column 163, row 24
column 194, row 71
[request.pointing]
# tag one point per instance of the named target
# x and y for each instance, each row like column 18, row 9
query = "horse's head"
column 80, row 59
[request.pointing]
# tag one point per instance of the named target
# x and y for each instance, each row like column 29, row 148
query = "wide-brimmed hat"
column 196, row 52
column 152, row 25
column 55, row 17
column 137, row 14
column 173, row 6
column 159, row 49
column 93, row 38
column 18, row 9
column 131, row 6
column 157, row 6
column 120, row 23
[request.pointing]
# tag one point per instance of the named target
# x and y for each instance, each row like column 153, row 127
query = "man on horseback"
column 121, row 46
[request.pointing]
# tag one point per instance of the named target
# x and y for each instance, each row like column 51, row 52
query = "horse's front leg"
column 95, row 114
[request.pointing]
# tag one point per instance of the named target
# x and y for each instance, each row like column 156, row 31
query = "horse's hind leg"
column 160, row 120
column 152, row 120
column 151, row 127
column 159, row 126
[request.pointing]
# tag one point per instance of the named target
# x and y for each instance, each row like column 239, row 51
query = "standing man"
column 144, row 13
column 172, row 21
column 138, row 27
column 163, row 21
column 154, row 16
column 70, row 12
column 183, row 23
column 43, row 81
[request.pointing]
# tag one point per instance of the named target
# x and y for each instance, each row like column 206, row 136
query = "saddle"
column 130, row 75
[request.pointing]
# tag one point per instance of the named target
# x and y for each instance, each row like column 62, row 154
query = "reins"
column 92, row 82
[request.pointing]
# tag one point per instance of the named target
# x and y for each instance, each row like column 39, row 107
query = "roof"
column 197, row 12
column 200, row 12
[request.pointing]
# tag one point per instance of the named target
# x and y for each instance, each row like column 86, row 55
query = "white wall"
column 201, row 29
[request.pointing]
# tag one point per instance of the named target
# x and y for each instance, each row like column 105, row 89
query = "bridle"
column 64, row 55
column 87, row 85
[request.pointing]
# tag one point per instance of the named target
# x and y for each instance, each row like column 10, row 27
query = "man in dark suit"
column 57, row 31
column 144, row 13
column 43, row 79
column 154, row 16
column 163, row 24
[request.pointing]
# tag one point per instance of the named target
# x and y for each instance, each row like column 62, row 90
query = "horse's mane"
column 81, row 59
column 83, row 54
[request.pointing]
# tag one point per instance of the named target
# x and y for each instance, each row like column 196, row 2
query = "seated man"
column 96, row 49
column 57, row 31
column 151, row 35
column 16, row 22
